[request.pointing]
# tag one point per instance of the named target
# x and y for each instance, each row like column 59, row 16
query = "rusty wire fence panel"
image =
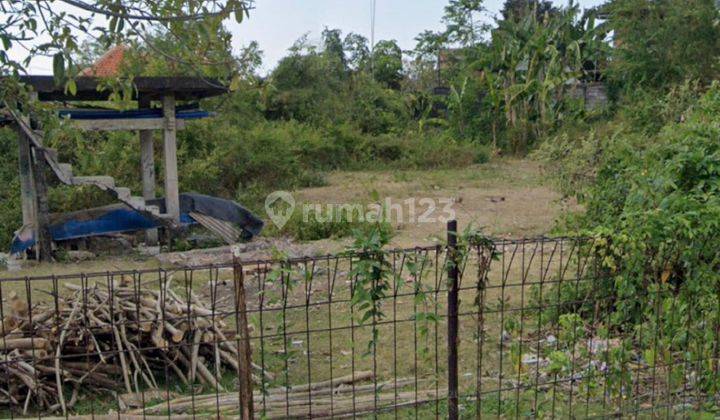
column 535, row 338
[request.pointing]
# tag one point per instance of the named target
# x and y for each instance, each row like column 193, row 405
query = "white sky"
column 276, row 24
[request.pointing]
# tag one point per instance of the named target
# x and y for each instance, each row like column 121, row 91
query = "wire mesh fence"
column 532, row 333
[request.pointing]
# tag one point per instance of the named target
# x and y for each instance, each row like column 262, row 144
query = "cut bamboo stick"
column 105, row 337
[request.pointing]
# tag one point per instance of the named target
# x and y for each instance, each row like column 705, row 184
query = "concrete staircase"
column 64, row 173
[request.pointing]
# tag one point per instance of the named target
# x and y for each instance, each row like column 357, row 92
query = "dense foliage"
column 664, row 42
column 652, row 213
column 648, row 175
column 511, row 84
column 657, row 204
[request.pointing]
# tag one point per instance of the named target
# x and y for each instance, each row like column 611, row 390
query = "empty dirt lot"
column 506, row 198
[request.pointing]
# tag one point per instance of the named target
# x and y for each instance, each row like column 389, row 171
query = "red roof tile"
column 108, row 65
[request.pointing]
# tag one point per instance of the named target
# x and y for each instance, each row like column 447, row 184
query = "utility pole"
column 372, row 35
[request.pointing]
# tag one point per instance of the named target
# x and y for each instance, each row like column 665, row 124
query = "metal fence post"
column 243, row 342
column 452, row 316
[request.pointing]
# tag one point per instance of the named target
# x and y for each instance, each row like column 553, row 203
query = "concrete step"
column 154, row 210
column 136, row 202
column 123, row 193
column 104, row 182
column 139, row 204
column 67, row 169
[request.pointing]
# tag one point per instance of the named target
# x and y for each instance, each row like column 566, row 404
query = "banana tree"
column 456, row 106
column 534, row 59
column 494, row 96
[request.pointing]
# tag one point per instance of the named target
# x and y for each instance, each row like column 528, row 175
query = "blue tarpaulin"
column 109, row 114
column 114, row 221
column 120, row 218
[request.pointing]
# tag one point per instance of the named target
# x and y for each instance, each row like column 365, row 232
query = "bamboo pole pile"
column 115, row 337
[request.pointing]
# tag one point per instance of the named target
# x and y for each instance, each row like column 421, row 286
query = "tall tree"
column 661, row 42
column 517, row 9
column 198, row 53
column 387, row 63
column 357, row 51
column 333, row 47
column 24, row 22
column 424, row 70
column 464, row 30
column 429, row 44
column 462, row 18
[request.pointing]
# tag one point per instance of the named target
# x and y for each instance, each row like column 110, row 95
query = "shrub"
column 575, row 154
column 314, row 227
column 417, row 151
column 116, row 154
column 648, row 110
column 482, row 154
column 384, row 149
column 442, row 151
column 315, row 224
column 654, row 211
column 376, row 110
column 264, row 157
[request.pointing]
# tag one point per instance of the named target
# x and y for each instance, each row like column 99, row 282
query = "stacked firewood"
column 115, row 337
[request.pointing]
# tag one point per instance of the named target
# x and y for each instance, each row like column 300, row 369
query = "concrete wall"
column 594, row 94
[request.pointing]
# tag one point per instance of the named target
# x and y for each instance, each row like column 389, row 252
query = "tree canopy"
column 63, row 25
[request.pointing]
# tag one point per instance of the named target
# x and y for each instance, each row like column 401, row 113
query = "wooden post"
column 452, row 319
column 27, row 187
column 172, row 193
column 27, row 183
column 43, row 240
column 33, row 191
column 243, row 342
column 147, row 162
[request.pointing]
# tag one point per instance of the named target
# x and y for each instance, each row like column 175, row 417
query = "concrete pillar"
column 172, row 193
column 147, row 163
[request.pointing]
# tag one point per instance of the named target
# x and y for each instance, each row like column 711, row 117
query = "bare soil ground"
column 505, row 198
